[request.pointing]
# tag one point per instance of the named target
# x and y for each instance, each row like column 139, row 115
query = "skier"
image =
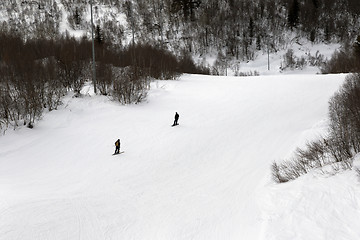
column 176, row 119
column 117, row 146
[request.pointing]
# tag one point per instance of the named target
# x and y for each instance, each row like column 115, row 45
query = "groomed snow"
column 208, row 178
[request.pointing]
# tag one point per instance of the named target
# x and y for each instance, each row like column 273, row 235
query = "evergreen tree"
column 131, row 18
column 357, row 54
column 77, row 17
column 98, row 35
column 293, row 16
column 251, row 29
column 313, row 35
column 258, row 42
column 187, row 6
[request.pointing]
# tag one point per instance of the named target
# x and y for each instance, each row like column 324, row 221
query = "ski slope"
column 208, row 178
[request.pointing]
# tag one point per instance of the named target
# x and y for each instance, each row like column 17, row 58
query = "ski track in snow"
column 208, row 178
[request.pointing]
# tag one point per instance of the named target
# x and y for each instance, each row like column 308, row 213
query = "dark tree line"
column 36, row 74
column 345, row 60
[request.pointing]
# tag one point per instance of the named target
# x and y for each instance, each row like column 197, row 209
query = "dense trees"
column 345, row 60
column 238, row 28
column 187, row 7
column 37, row 59
column 35, row 74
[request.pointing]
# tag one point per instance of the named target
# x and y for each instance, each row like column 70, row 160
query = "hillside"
column 208, row 178
column 232, row 32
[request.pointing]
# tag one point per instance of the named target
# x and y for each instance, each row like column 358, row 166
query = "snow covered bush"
column 317, row 60
column 130, row 86
column 292, row 62
column 220, row 65
column 284, row 172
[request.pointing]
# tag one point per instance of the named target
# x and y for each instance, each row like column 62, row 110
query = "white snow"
column 275, row 62
column 208, row 178
column 64, row 25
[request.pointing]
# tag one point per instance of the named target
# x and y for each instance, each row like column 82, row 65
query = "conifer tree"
column 293, row 16
column 187, row 6
column 98, row 35
column 77, row 17
column 357, row 54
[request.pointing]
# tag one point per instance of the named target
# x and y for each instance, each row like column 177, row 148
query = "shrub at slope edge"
column 341, row 144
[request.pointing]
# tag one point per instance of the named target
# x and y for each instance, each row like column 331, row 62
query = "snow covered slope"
column 208, row 178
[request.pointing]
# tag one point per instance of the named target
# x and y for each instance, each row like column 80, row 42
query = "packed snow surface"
column 208, row 178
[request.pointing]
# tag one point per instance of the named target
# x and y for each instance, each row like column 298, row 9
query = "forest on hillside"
column 139, row 40
column 234, row 28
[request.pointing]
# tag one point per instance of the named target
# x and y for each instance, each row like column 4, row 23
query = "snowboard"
column 174, row 125
column 118, row 153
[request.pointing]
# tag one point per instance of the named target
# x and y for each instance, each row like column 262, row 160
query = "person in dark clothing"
column 176, row 119
column 117, row 146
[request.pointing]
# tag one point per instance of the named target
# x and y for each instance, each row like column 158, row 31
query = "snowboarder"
column 117, row 146
column 176, row 119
